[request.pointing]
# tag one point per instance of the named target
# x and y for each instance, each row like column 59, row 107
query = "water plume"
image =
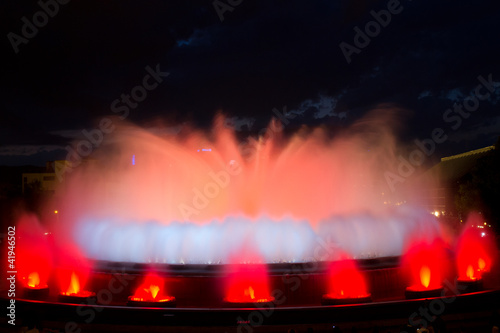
column 200, row 196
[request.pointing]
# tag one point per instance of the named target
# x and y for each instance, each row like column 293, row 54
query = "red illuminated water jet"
column 73, row 272
column 151, row 293
column 33, row 258
column 426, row 265
column 346, row 284
column 74, row 292
column 474, row 255
column 247, row 285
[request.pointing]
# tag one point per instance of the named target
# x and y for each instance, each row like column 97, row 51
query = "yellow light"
column 436, row 213
column 425, row 276
column 56, row 212
column 481, row 264
column 484, row 223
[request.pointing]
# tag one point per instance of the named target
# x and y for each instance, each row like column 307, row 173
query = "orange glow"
column 481, row 264
column 74, row 286
column 470, row 272
column 33, row 280
column 345, row 280
column 250, row 292
column 151, row 290
column 425, row 276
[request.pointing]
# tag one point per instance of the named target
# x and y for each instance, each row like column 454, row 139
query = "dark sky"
column 262, row 55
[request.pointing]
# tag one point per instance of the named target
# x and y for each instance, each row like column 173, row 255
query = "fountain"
column 475, row 254
column 346, row 284
column 151, row 293
column 278, row 222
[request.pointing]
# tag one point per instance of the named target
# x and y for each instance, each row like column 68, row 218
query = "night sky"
column 244, row 58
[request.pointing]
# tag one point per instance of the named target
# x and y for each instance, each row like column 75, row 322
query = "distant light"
column 436, row 213
column 484, row 223
column 483, row 234
column 198, row 150
column 133, row 159
column 206, row 149
column 56, row 212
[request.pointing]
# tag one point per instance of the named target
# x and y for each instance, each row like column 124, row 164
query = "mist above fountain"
column 199, row 197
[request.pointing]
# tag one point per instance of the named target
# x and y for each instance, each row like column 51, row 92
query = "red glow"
column 74, row 286
column 426, row 265
column 474, row 254
column 73, row 272
column 346, row 281
column 248, row 283
column 152, row 289
column 33, row 253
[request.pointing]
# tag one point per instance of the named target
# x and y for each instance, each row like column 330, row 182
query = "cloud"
column 323, row 107
column 237, row 123
column 454, row 95
column 27, row 150
column 197, row 38
column 425, row 93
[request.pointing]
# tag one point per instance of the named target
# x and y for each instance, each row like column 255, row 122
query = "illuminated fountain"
column 34, row 258
column 247, row 285
column 474, row 256
column 261, row 224
column 73, row 272
column 148, row 198
column 74, row 292
column 425, row 263
column 346, row 284
column 151, row 293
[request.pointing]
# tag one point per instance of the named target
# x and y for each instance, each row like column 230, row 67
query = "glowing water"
column 198, row 197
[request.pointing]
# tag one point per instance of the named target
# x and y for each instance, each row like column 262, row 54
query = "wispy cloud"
column 322, row 107
column 197, row 38
column 239, row 123
column 454, row 95
column 424, row 94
